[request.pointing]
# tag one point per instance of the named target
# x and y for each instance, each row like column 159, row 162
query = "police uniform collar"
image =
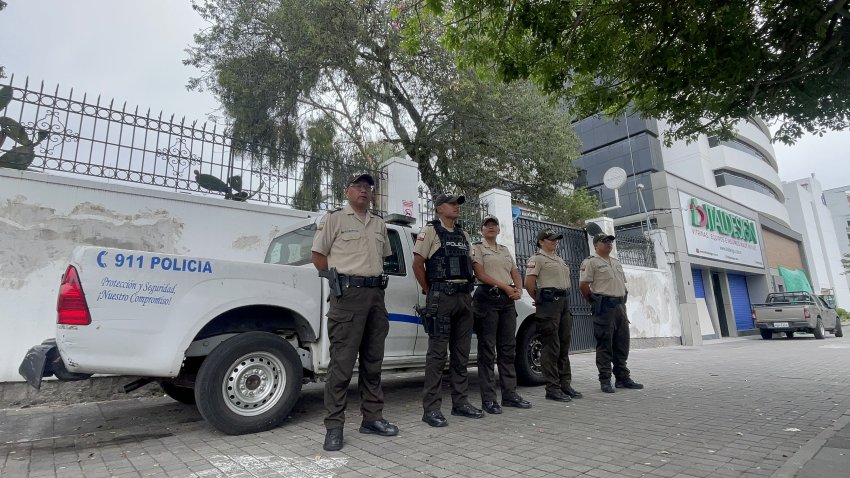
column 350, row 211
column 494, row 247
column 544, row 253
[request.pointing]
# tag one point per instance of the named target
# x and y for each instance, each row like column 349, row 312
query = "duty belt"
column 555, row 291
column 609, row 299
column 450, row 288
column 361, row 281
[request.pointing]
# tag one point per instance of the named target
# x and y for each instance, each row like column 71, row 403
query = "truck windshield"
column 292, row 248
column 790, row 298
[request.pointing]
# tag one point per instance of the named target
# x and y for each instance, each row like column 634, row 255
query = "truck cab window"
column 394, row 264
column 292, row 248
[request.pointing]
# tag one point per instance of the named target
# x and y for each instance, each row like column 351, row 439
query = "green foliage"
column 572, row 209
column 843, row 314
column 702, row 65
column 350, row 82
column 19, row 157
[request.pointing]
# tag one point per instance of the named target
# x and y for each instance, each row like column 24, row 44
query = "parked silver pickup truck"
column 791, row 312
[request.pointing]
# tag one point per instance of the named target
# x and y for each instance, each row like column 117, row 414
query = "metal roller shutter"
column 699, row 287
column 740, row 301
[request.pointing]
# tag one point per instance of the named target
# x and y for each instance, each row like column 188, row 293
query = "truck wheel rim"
column 535, row 349
column 254, row 384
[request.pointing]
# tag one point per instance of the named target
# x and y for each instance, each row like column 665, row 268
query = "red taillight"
column 71, row 306
column 806, row 313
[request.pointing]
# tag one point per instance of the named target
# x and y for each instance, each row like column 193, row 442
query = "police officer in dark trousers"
column 603, row 284
column 353, row 242
column 495, row 318
column 547, row 279
column 443, row 267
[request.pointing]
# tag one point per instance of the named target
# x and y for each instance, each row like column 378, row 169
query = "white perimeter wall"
column 652, row 306
column 43, row 217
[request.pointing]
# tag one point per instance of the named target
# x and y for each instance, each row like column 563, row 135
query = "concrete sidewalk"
column 745, row 407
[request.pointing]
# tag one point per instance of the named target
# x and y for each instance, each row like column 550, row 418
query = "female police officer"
column 495, row 317
column 547, row 279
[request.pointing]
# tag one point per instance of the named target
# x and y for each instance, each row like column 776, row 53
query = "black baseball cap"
column 602, row 236
column 358, row 176
column 549, row 234
column 444, row 198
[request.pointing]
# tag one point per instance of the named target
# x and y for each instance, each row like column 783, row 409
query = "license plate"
column 780, row 325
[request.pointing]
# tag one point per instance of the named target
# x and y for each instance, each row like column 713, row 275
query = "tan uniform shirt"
column 496, row 260
column 551, row 270
column 428, row 242
column 606, row 276
column 353, row 246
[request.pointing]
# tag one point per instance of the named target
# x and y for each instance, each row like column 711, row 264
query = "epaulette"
column 335, row 210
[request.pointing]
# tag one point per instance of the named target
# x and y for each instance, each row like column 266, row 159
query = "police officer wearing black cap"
column 353, row 242
column 495, row 317
column 442, row 264
column 603, row 284
column 547, row 279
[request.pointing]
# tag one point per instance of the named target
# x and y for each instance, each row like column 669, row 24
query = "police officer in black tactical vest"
column 442, row 264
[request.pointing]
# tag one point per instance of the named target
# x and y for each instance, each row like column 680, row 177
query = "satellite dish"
column 614, row 178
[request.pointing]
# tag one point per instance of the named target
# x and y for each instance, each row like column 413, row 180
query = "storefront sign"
column 716, row 233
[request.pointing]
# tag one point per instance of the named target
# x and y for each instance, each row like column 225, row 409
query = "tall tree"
column 700, row 64
column 377, row 73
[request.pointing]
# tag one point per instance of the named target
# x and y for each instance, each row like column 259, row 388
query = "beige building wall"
column 781, row 251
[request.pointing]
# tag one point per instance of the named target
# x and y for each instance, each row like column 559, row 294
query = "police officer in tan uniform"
column 547, row 279
column 443, row 267
column 354, row 241
column 495, row 317
column 603, row 284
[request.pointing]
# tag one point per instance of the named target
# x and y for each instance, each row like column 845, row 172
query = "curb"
column 810, row 449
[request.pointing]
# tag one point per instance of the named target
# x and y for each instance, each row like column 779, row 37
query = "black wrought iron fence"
column 573, row 249
column 471, row 213
column 636, row 250
column 83, row 135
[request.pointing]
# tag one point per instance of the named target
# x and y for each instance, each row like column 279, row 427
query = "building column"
column 401, row 189
column 731, row 326
column 711, row 301
column 500, row 204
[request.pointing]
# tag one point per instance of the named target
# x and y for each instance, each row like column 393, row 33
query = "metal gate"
column 573, row 249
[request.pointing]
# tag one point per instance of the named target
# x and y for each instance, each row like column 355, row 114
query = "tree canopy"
column 301, row 74
column 702, row 65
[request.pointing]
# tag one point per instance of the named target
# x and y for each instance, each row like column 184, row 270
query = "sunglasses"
column 607, row 241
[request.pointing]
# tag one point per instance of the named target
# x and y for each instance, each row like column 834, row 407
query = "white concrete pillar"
column 500, row 204
column 607, row 225
column 401, row 188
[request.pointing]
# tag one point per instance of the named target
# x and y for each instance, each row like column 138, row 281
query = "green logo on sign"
column 717, row 220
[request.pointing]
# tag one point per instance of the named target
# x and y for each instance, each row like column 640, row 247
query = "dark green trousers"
column 495, row 327
column 611, row 330
column 458, row 307
column 555, row 325
column 357, row 324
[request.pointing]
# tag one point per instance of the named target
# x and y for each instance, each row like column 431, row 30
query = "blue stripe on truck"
column 410, row 319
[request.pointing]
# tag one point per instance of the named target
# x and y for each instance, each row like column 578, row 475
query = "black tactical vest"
column 451, row 261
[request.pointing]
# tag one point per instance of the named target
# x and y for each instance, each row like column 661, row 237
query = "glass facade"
column 724, row 177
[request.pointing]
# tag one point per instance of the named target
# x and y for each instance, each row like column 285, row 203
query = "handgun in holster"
column 545, row 295
column 595, row 304
column 333, row 281
column 435, row 326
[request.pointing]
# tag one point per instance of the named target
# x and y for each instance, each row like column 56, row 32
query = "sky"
column 132, row 51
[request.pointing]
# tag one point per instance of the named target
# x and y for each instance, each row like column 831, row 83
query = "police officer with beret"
column 443, row 267
column 495, row 317
column 547, row 279
column 603, row 284
column 353, row 242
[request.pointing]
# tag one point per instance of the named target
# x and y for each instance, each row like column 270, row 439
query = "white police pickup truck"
column 238, row 339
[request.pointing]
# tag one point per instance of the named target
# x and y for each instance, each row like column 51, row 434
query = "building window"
column 740, row 145
column 724, row 177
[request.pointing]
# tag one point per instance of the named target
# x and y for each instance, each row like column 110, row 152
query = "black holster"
column 434, row 325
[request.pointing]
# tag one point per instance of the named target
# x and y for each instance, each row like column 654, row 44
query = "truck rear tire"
column 766, row 334
column 818, row 330
column 249, row 383
column 838, row 332
column 184, row 395
column 528, row 347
